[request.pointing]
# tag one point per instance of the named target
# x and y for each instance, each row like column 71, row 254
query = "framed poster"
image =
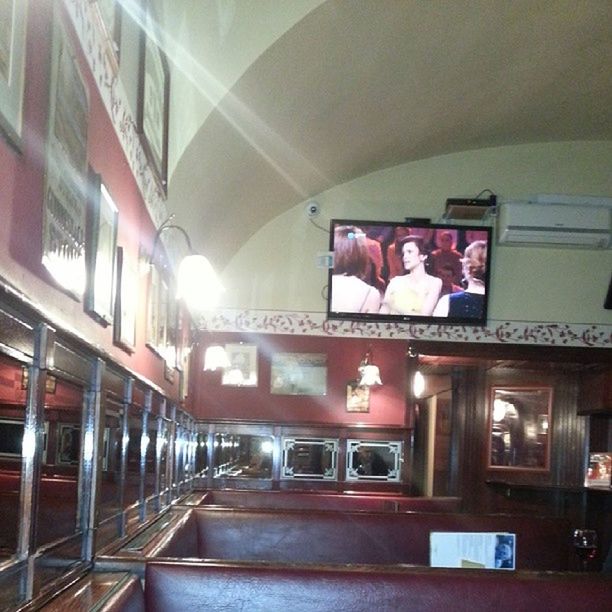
column 101, row 249
column 357, row 397
column 108, row 14
column 126, row 303
column 152, row 109
column 152, row 331
column 242, row 371
column 66, row 178
column 299, row 374
column 13, row 23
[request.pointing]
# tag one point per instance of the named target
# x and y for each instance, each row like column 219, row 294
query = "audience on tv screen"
column 409, row 271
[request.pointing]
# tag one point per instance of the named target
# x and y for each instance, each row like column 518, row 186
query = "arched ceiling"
column 355, row 86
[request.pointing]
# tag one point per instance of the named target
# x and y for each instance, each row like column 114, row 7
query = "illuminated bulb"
column 418, row 384
column 198, row 284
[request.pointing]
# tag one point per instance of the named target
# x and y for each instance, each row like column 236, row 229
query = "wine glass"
column 585, row 545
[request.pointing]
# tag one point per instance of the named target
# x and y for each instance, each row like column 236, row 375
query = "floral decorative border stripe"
column 315, row 324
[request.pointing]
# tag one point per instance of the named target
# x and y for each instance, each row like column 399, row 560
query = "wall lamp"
column 418, row 380
column 196, row 281
column 369, row 374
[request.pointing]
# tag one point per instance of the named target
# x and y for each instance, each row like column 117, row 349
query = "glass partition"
column 373, row 460
column 243, row 456
column 12, row 417
column 310, row 458
column 201, row 454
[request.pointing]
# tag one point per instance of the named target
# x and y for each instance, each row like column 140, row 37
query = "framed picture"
column 101, row 251
column 157, row 313
column 66, row 177
column 13, row 23
column 299, row 374
column 126, row 303
column 242, row 371
column 519, row 428
column 50, row 380
column 68, row 444
column 357, row 397
column 152, row 109
column 108, row 14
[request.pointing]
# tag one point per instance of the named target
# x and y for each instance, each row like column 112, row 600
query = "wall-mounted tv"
column 409, row 272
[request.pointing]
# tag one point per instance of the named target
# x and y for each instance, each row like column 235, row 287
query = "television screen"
column 409, row 272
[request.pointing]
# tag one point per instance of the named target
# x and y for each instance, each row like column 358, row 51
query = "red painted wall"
column 21, row 203
column 209, row 399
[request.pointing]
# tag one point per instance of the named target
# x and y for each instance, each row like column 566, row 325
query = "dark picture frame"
column 520, row 426
column 126, row 303
column 109, row 16
column 101, row 251
column 68, row 444
column 12, row 70
column 152, row 109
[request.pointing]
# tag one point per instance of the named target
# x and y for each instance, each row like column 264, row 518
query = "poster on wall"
column 66, row 179
column 12, row 64
column 299, row 374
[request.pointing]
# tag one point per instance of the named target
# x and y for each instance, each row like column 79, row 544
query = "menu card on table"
column 484, row 550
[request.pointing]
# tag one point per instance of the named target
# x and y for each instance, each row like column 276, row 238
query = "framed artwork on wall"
column 152, row 109
column 519, row 428
column 357, row 397
column 13, row 23
column 299, row 374
column 66, row 177
column 108, row 14
column 126, row 303
column 242, row 371
column 101, row 251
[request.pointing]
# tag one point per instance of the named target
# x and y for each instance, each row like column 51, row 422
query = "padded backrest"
column 174, row 587
column 362, row 537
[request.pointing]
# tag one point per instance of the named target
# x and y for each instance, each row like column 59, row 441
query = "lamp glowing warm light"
column 369, row 374
column 418, row 384
column 197, row 283
column 215, row 358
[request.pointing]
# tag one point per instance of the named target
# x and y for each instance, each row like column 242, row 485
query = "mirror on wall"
column 310, row 458
column 519, row 428
column 243, row 456
column 373, row 460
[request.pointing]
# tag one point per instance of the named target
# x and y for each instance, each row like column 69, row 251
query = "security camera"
column 313, row 209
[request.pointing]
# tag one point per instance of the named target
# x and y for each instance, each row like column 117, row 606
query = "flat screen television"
column 409, row 272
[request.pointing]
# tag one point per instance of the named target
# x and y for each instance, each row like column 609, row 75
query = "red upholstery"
column 299, row 500
column 127, row 597
column 363, row 537
column 198, row 586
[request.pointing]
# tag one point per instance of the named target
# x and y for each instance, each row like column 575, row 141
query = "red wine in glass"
column 585, row 545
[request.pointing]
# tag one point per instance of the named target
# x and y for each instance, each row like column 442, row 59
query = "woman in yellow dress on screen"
column 414, row 293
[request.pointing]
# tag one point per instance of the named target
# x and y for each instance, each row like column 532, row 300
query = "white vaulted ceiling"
column 274, row 101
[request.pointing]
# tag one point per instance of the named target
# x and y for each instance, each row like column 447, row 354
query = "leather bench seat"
column 173, row 587
column 319, row 537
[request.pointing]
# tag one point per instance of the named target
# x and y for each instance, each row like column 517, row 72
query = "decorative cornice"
column 316, row 324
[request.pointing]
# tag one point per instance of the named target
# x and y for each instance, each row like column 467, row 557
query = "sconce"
column 196, row 281
column 369, row 374
column 215, row 358
column 418, row 380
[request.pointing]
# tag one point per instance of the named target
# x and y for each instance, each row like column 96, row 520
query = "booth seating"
column 200, row 586
column 319, row 537
column 301, row 500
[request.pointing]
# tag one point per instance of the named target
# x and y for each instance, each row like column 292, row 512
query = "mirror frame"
column 541, row 396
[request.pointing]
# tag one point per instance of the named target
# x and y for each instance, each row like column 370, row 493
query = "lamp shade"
column 418, row 384
column 197, row 283
column 370, row 375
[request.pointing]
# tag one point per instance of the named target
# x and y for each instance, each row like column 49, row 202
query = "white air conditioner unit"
column 560, row 225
